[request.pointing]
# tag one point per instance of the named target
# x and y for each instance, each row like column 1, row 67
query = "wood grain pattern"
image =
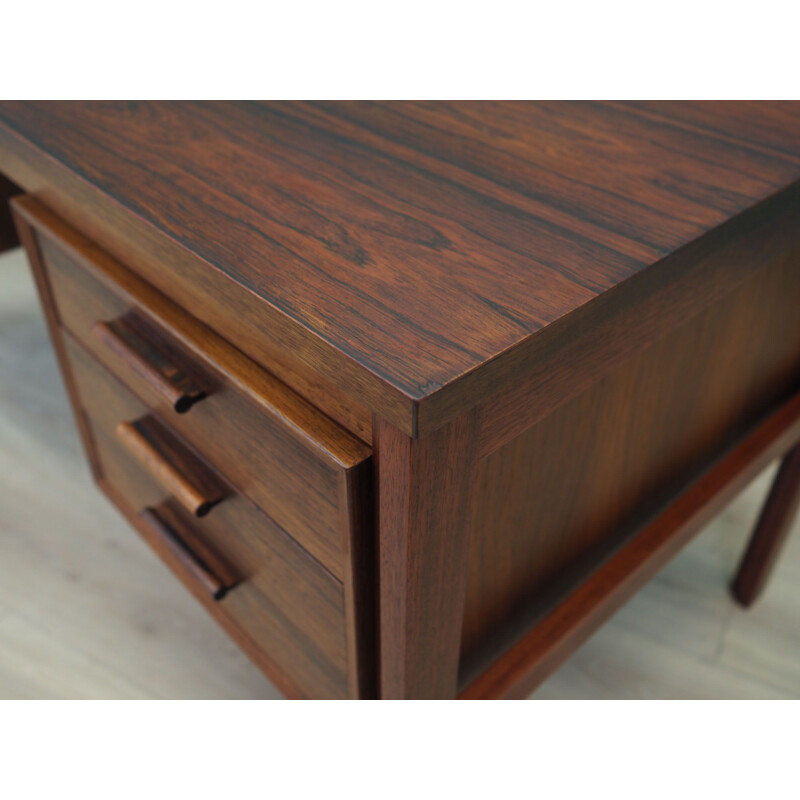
column 514, row 291
column 239, row 542
column 249, row 644
column 569, row 623
column 563, row 362
column 287, row 605
column 87, row 611
column 171, row 464
column 771, row 532
column 551, row 501
column 106, row 283
column 398, row 247
column 170, row 535
column 324, row 675
column 65, row 634
column 295, row 459
column 151, row 362
column 424, row 491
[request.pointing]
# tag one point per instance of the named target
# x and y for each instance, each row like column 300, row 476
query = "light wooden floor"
column 86, row 611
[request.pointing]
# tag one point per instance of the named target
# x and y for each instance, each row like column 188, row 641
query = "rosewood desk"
column 413, row 396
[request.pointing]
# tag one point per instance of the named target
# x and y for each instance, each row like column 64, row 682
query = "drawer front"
column 291, row 460
column 255, row 579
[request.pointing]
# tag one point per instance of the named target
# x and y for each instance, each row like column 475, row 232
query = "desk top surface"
column 422, row 240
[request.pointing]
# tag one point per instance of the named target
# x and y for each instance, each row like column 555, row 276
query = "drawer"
column 290, row 459
column 279, row 603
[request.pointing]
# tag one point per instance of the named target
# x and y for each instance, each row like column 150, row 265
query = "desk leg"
column 425, row 489
column 771, row 531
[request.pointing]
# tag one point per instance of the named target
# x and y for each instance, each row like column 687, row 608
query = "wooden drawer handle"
column 171, row 464
column 167, row 535
column 158, row 368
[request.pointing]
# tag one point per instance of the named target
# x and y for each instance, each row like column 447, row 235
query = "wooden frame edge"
column 558, row 634
column 268, row 667
column 28, row 239
column 360, row 587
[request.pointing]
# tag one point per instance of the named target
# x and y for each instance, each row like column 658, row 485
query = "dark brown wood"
column 552, row 320
column 771, row 532
column 296, row 459
column 360, row 580
column 150, row 361
column 8, row 233
column 290, row 607
column 568, row 359
column 567, row 489
column 214, row 585
column 755, row 125
column 139, row 246
column 240, row 542
column 424, row 501
column 28, row 239
column 415, row 242
column 288, row 615
column 254, row 649
column 565, row 627
column 171, row 464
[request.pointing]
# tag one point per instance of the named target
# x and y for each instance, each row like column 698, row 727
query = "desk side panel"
column 552, row 502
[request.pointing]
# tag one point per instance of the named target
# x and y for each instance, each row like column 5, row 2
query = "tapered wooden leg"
column 425, row 489
column 771, row 531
